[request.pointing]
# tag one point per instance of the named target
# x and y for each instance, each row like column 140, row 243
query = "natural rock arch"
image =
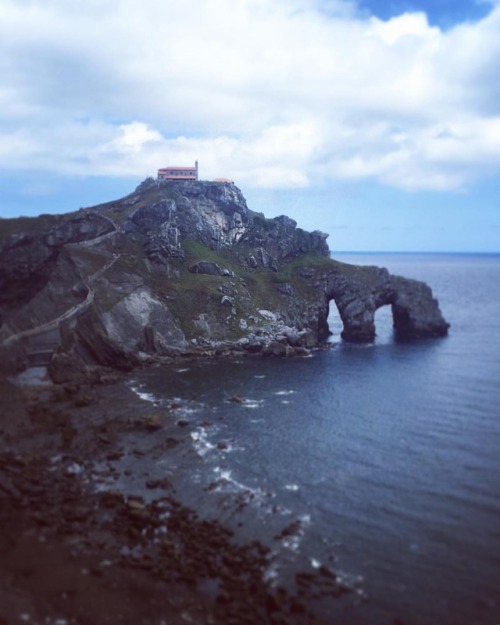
column 415, row 312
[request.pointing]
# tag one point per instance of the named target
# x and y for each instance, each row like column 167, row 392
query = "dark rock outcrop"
column 209, row 268
column 178, row 267
column 277, row 241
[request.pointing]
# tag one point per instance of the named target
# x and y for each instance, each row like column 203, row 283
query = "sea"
column 380, row 461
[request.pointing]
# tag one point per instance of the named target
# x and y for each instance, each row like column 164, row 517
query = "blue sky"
column 442, row 13
column 377, row 121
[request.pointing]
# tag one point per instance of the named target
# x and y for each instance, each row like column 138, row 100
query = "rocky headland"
column 183, row 268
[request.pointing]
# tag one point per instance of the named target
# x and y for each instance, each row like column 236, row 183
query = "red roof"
column 162, row 169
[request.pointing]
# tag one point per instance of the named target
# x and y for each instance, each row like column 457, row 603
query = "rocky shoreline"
column 76, row 547
column 170, row 273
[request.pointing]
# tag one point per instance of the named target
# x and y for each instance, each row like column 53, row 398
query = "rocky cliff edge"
column 183, row 268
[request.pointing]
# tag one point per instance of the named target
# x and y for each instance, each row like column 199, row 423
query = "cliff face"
column 177, row 267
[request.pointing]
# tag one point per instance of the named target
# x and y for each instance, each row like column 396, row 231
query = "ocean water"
column 385, row 456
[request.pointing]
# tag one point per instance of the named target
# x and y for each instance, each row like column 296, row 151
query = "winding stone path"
column 43, row 340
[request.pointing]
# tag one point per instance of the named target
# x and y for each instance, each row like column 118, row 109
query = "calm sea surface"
column 387, row 456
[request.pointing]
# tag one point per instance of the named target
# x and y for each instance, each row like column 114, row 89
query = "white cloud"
column 407, row 25
column 135, row 137
column 273, row 93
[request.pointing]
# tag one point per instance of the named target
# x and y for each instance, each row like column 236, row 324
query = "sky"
column 375, row 121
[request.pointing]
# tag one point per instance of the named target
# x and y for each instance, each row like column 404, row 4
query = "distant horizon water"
column 404, row 252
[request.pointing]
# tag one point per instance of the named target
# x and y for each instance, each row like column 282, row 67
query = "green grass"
column 196, row 251
column 315, row 261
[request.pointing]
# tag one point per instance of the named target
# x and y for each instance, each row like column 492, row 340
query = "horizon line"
column 486, row 253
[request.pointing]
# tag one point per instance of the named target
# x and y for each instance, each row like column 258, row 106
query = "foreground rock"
column 77, row 547
column 178, row 268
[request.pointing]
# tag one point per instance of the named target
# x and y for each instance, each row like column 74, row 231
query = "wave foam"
column 252, row 403
column 149, row 397
column 202, row 445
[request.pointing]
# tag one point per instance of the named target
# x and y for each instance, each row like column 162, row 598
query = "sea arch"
column 415, row 312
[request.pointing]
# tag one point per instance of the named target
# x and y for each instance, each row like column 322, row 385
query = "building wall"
column 178, row 173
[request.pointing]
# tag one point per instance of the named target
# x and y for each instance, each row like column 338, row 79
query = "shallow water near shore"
column 382, row 460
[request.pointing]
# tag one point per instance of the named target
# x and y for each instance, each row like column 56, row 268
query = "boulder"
column 209, row 268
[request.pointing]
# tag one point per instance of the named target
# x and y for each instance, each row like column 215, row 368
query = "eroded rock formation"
column 358, row 296
column 180, row 267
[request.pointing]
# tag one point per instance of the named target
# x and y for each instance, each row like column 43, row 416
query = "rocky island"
column 174, row 272
column 182, row 267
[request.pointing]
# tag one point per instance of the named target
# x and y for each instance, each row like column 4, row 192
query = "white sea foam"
column 225, row 482
column 149, row 397
column 252, row 403
column 353, row 582
column 184, row 411
column 293, row 487
column 74, row 469
column 201, row 443
column 227, row 448
column 271, row 573
column 224, row 474
column 183, row 370
column 183, row 407
column 225, row 477
column 289, row 392
column 292, row 541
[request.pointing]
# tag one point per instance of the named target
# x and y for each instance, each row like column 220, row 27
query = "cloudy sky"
column 377, row 121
